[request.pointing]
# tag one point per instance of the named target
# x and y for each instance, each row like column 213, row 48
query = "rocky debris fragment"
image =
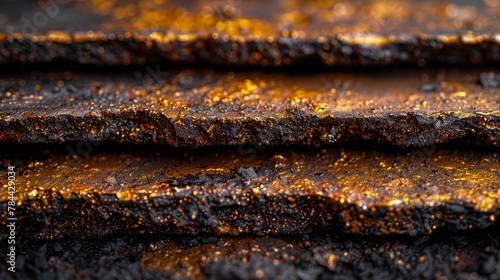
column 489, row 80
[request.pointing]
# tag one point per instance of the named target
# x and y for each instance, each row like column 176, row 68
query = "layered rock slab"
column 204, row 107
column 455, row 255
column 250, row 191
column 240, row 33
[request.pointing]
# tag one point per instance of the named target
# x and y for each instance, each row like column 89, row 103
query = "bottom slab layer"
column 472, row 254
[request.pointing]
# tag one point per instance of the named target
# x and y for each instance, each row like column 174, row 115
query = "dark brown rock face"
column 196, row 107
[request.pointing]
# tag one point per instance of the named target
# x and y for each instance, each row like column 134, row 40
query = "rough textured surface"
column 447, row 255
column 187, row 107
column 253, row 191
column 263, row 33
column 255, row 211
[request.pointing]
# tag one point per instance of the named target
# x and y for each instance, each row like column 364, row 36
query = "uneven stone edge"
column 263, row 128
column 126, row 48
column 53, row 214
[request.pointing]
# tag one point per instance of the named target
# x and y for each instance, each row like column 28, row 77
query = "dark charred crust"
column 289, row 192
column 366, row 33
column 229, row 139
column 455, row 255
column 205, row 107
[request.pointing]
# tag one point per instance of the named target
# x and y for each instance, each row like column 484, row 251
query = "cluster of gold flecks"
column 325, row 93
column 160, row 14
column 366, row 23
column 358, row 183
column 168, row 257
column 294, row 18
column 261, row 98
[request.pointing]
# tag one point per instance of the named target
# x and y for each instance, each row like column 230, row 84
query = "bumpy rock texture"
column 453, row 255
column 254, row 207
column 268, row 192
column 262, row 33
column 201, row 107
